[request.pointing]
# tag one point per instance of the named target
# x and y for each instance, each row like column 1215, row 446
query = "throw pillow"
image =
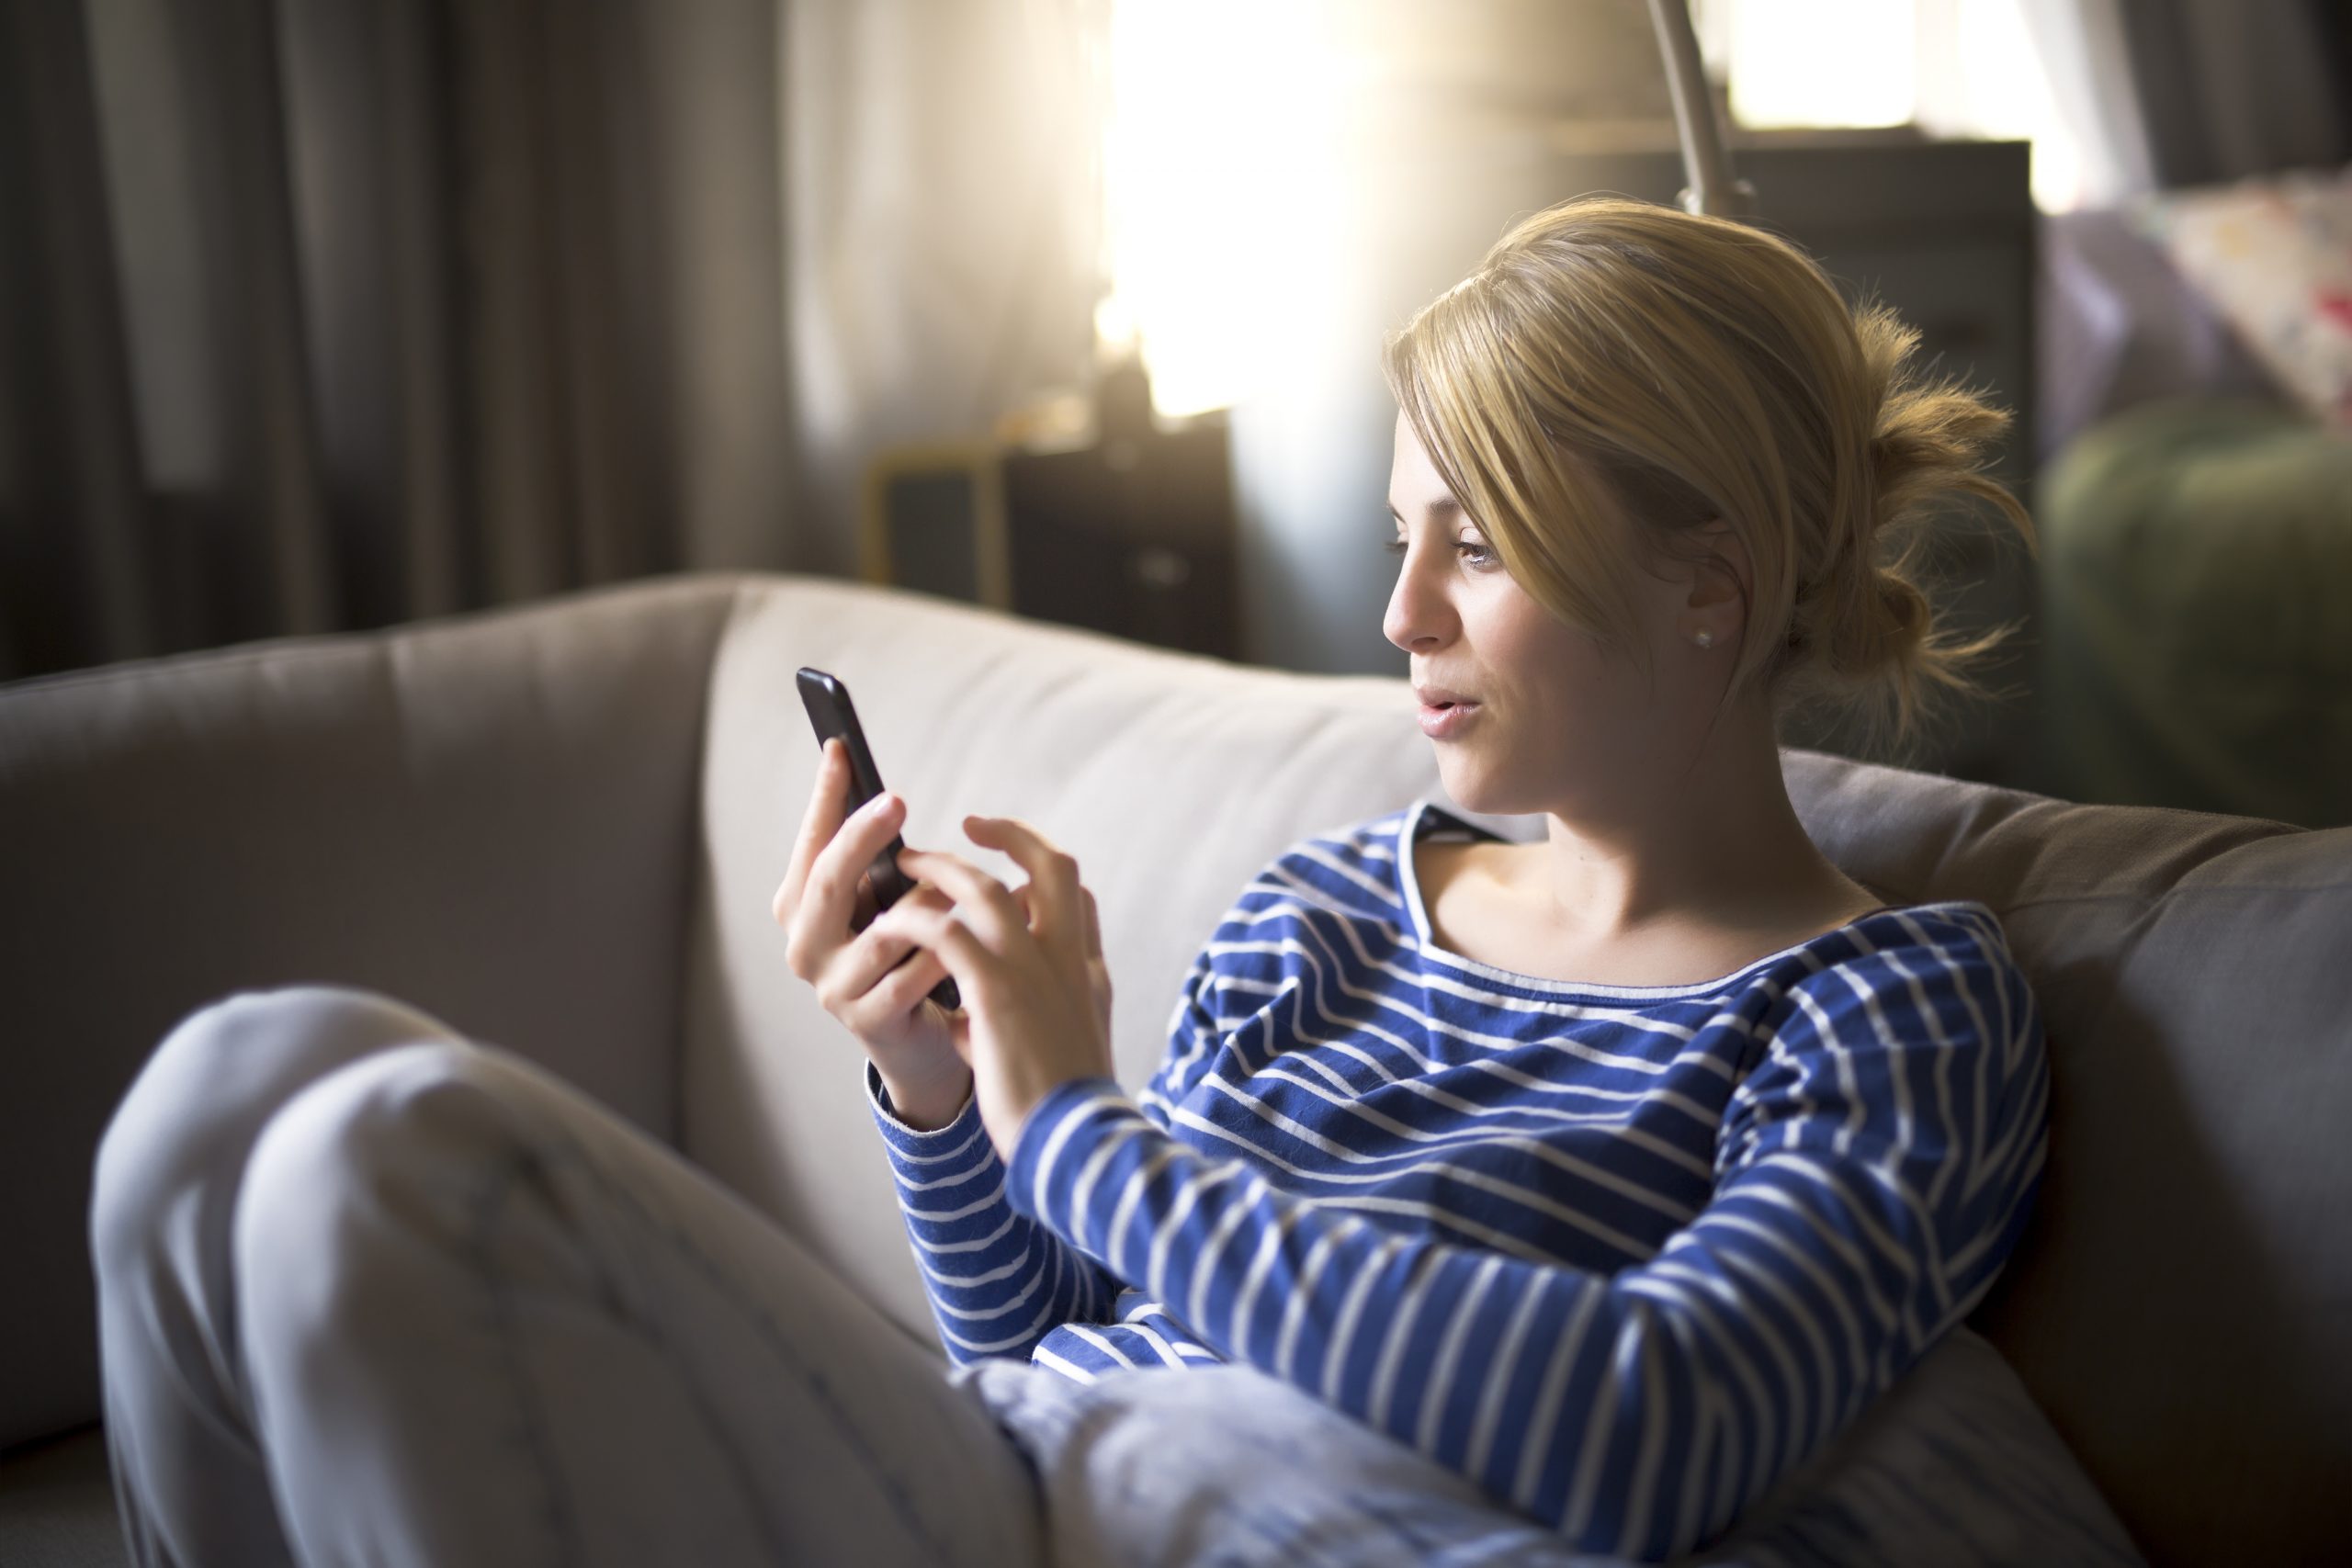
column 2274, row 256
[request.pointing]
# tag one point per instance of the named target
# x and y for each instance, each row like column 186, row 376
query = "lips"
column 1444, row 711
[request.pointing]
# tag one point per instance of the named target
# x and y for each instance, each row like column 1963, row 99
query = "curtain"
column 945, row 246
column 2163, row 93
column 326, row 314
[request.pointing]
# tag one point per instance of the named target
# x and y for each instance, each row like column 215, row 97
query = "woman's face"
column 1549, row 725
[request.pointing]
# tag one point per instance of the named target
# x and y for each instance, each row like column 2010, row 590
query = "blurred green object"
column 2196, row 585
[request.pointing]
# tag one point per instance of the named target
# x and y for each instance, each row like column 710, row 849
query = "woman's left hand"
column 1029, row 963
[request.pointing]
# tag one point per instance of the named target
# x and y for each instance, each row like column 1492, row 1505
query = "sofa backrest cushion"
column 486, row 815
column 1172, row 778
column 2181, row 1304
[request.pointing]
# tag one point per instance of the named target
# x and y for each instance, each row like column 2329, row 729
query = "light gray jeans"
column 371, row 1293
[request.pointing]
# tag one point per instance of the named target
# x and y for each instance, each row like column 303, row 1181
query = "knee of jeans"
column 392, row 1148
column 218, row 1072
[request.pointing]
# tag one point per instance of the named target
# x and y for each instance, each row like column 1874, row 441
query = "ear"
column 1727, row 574
column 1715, row 602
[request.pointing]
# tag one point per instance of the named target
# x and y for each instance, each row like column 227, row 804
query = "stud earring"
column 1705, row 639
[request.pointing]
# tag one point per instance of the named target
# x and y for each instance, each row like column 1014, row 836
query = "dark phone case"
column 832, row 714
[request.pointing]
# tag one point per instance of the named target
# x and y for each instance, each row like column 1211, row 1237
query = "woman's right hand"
column 825, row 906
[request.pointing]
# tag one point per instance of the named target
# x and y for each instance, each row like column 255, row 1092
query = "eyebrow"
column 1443, row 506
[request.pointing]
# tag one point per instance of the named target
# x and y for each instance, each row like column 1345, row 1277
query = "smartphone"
column 832, row 714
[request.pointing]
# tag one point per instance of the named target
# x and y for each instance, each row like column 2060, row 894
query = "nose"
column 1420, row 617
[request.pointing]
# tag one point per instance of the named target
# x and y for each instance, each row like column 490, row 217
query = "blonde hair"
column 1616, row 374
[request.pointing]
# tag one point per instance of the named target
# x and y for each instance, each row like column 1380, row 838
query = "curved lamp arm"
column 1712, row 188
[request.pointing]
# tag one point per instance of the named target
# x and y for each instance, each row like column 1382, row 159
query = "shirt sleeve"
column 997, row 1281
column 1873, row 1170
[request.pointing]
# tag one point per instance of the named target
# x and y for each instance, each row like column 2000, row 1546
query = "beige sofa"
column 560, row 826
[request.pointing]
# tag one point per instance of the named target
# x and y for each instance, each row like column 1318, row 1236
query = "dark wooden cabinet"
column 1131, row 531
column 1132, row 536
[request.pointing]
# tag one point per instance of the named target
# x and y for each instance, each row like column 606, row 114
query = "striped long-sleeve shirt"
column 1622, row 1256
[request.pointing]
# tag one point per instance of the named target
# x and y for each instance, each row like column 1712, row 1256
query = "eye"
column 1469, row 551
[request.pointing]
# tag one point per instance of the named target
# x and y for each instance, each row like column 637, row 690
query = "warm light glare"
column 2002, row 92
column 1822, row 62
column 1217, row 153
column 1223, row 150
column 1114, row 324
column 1962, row 69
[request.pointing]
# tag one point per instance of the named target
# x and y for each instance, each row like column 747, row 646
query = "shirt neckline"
column 1408, row 880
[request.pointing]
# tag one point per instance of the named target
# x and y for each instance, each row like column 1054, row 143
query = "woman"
column 1494, row 1201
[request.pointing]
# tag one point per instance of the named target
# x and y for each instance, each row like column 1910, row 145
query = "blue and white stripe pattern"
column 1624, row 1256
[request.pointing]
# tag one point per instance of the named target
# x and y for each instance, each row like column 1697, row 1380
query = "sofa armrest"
column 489, row 817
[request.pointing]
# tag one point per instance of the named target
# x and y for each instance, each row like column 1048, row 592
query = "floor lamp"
column 1712, row 188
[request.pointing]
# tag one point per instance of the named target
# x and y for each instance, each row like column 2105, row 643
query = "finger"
column 1093, row 925
column 944, row 934
column 820, row 923
column 1052, row 872
column 901, row 990
column 986, row 906
column 870, row 959
column 827, row 801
